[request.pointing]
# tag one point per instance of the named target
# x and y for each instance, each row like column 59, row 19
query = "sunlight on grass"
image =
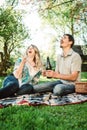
column 84, row 80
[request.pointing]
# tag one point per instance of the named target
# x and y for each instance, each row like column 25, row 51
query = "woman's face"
column 31, row 51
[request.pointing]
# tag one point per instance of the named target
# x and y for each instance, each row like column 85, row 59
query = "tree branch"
column 50, row 7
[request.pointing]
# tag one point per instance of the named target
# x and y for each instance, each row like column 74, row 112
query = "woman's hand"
column 44, row 73
column 18, row 71
column 24, row 59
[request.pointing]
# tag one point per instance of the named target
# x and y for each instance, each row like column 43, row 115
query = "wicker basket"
column 81, row 87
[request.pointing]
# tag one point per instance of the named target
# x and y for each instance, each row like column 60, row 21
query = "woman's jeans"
column 10, row 86
column 25, row 89
column 57, row 87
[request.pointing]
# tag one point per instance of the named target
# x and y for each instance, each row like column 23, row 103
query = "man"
column 68, row 69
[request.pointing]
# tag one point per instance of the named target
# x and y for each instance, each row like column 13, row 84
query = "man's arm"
column 70, row 77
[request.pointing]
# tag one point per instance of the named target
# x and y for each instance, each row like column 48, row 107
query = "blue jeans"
column 63, row 89
column 10, row 86
column 45, row 87
column 25, row 89
column 10, row 79
column 57, row 87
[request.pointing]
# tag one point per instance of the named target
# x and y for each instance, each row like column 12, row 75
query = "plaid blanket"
column 43, row 99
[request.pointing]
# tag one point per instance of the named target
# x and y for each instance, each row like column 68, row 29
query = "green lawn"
column 84, row 76
column 68, row 117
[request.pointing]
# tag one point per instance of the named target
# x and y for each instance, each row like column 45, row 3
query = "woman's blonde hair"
column 37, row 57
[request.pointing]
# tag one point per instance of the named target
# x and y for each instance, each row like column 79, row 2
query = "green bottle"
column 48, row 65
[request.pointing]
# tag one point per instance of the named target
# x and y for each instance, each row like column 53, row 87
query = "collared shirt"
column 68, row 64
column 29, row 74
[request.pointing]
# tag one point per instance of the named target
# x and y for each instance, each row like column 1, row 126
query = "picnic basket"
column 81, row 87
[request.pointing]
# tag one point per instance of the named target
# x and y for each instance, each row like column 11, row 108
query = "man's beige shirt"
column 71, row 63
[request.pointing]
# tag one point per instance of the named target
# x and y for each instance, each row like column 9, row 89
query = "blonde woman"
column 26, row 73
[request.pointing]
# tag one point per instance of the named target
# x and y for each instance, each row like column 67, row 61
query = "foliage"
column 84, row 76
column 63, row 15
column 1, row 81
column 12, row 2
column 12, row 33
column 69, row 15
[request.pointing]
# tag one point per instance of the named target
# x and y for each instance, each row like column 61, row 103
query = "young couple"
column 67, row 72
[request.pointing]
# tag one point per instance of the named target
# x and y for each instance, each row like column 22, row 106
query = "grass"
column 84, row 76
column 68, row 117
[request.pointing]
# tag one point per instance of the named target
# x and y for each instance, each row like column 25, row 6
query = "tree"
column 12, row 33
column 67, row 16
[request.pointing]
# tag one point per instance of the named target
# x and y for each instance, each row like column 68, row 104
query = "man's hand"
column 48, row 73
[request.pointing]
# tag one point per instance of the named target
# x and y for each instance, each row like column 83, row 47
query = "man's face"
column 64, row 42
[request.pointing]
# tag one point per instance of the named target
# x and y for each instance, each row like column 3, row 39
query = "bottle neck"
column 48, row 64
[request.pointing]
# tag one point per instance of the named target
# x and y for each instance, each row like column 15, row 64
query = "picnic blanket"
column 43, row 99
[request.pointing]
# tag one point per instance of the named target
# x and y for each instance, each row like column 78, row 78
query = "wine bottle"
column 48, row 65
